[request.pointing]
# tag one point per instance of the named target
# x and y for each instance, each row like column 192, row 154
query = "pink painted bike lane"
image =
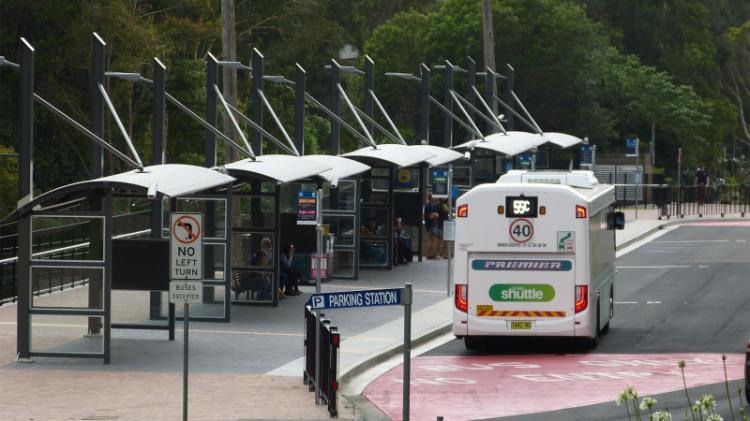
column 474, row 387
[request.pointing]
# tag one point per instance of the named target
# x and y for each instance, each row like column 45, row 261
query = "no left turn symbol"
column 186, row 229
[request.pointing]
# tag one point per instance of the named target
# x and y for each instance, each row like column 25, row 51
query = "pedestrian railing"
column 329, row 346
column 64, row 242
column 718, row 200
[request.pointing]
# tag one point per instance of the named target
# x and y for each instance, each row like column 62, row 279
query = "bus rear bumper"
column 496, row 326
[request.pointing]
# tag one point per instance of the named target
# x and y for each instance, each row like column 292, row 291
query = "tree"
column 568, row 73
column 736, row 74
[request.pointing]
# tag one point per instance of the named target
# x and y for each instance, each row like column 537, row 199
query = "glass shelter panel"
column 49, row 279
column 67, row 238
column 64, row 333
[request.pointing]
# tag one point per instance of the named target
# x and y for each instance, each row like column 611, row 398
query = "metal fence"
column 67, row 242
column 329, row 346
column 703, row 200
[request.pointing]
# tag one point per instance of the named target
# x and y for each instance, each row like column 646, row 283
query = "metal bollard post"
column 407, row 301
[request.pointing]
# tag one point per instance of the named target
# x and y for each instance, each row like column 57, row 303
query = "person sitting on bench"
column 290, row 275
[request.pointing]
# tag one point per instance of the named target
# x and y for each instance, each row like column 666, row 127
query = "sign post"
column 371, row 298
column 406, row 300
column 632, row 151
column 186, row 268
column 449, row 225
column 318, row 250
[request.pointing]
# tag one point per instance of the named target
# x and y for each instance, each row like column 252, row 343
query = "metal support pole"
column 637, row 173
column 186, row 317
column 489, row 96
column 406, row 299
column 448, row 104
column 257, row 63
column 334, row 145
column 369, row 85
column 26, row 142
column 97, row 106
column 107, row 281
column 318, row 250
column 212, row 79
column 679, row 178
column 424, row 108
column 451, row 220
column 96, row 170
column 157, row 158
column 471, row 81
column 423, row 172
column 510, row 82
column 25, row 194
column 299, row 109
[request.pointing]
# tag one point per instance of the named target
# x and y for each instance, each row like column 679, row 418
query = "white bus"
column 535, row 256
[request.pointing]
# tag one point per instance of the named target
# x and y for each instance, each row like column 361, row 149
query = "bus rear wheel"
column 472, row 343
column 605, row 329
column 592, row 343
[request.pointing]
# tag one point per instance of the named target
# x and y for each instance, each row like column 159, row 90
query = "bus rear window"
column 521, row 207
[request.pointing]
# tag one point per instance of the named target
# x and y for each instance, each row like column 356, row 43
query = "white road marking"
column 655, row 267
column 741, row 241
column 689, row 241
column 702, row 266
column 653, row 302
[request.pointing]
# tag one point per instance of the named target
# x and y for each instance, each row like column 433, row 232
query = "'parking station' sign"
column 186, row 246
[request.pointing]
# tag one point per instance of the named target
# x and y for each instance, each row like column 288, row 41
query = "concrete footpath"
column 250, row 368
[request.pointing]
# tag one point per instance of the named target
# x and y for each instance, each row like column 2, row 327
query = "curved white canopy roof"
column 510, row 144
column 172, row 180
column 340, row 167
column 399, row 155
column 442, row 155
column 280, row 168
column 563, row 140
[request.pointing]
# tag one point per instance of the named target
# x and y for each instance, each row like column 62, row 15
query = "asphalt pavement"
column 683, row 295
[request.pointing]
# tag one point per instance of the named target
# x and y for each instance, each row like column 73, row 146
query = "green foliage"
column 567, row 72
column 8, row 181
column 597, row 68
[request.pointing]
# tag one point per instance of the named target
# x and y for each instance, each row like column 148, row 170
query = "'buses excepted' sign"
column 186, row 246
column 186, row 292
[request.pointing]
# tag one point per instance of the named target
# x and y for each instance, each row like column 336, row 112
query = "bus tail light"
column 462, row 297
column 581, row 212
column 582, row 297
column 463, row 211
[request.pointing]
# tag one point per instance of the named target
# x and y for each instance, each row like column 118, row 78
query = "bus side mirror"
column 615, row 221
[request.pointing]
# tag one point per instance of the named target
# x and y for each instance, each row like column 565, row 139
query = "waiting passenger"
column 405, row 252
column 290, row 276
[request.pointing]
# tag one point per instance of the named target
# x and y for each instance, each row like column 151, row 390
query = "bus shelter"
column 341, row 212
column 494, row 155
column 105, row 260
column 412, row 184
column 258, row 223
column 378, row 214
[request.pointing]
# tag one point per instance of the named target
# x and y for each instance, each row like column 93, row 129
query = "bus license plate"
column 518, row 325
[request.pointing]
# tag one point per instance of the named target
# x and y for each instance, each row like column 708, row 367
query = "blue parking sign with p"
column 318, row 301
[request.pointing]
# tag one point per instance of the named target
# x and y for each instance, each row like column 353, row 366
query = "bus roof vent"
column 578, row 179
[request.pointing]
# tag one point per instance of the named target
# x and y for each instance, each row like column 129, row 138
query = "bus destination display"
column 520, row 207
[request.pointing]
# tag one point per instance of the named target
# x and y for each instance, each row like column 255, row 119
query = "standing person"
column 431, row 216
column 701, row 181
column 443, row 251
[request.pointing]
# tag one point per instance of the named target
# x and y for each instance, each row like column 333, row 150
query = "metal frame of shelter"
column 91, row 201
column 341, row 175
